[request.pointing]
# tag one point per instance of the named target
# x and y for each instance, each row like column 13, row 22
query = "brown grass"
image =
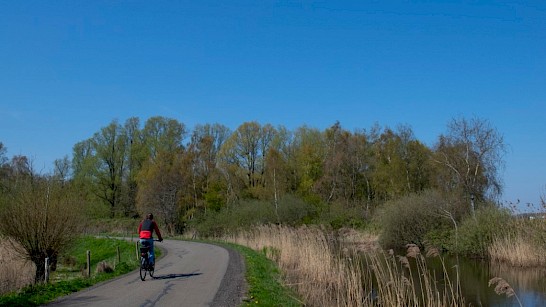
column 517, row 250
column 522, row 243
column 16, row 273
column 330, row 270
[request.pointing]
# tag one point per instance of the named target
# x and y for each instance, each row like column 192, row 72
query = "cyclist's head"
column 149, row 216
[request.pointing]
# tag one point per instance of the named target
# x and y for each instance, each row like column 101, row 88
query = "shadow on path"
column 172, row 276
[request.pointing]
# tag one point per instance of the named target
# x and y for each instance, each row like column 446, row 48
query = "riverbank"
column 325, row 271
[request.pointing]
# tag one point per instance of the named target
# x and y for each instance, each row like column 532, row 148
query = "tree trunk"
column 40, row 270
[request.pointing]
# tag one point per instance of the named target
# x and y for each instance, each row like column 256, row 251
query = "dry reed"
column 503, row 287
column 517, row 250
column 326, row 272
column 16, row 272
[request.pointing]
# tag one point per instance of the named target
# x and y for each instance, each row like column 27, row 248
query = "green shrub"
column 245, row 214
column 443, row 238
column 339, row 215
column 294, row 211
column 476, row 233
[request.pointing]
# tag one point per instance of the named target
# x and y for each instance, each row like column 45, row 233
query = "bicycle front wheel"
column 143, row 265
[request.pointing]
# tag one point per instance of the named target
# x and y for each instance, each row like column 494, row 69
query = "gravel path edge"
column 233, row 287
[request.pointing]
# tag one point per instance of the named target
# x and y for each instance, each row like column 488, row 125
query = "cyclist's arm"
column 158, row 232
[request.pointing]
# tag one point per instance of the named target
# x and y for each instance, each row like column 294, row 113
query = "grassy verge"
column 68, row 277
column 264, row 281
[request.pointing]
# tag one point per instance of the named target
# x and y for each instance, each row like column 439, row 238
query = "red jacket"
column 146, row 229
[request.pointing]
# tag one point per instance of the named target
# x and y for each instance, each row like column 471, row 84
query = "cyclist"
column 145, row 231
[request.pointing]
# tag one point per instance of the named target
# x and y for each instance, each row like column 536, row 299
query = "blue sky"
column 68, row 68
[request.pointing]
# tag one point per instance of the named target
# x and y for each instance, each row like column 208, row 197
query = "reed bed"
column 522, row 243
column 326, row 271
column 517, row 250
column 16, row 272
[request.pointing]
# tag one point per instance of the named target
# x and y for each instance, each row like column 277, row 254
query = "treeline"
column 160, row 166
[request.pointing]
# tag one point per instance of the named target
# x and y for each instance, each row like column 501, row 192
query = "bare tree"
column 471, row 156
column 62, row 168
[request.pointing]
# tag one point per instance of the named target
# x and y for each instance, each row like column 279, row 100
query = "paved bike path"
column 188, row 274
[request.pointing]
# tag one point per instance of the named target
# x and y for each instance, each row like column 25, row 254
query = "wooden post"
column 137, row 251
column 46, row 279
column 88, row 263
column 119, row 255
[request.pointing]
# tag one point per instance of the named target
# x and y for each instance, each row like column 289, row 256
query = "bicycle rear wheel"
column 143, row 266
column 151, row 271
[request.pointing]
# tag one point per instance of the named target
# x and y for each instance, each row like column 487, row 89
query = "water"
column 528, row 284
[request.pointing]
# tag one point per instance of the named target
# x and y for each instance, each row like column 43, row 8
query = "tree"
column 204, row 147
column 136, row 157
column 401, row 164
column 20, row 166
column 358, row 168
column 110, row 147
column 277, row 173
column 62, row 168
column 84, row 164
column 470, row 157
column 161, row 134
column 164, row 184
column 242, row 148
column 307, row 160
column 243, row 155
column 40, row 216
column 331, row 184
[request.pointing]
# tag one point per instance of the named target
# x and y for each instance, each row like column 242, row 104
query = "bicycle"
column 145, row 266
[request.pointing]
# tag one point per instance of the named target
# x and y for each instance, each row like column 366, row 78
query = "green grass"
column 264, row 281
column 68, row 278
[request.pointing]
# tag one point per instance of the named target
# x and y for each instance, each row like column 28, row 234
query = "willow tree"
column 42, row 218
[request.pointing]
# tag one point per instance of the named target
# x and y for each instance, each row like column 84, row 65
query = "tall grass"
column 327, row 272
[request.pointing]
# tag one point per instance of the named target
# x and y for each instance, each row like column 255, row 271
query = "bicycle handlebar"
column 155, row 240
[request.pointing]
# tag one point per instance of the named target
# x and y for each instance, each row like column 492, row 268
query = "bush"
column 294, row 211
column 245, row 214
column 410, row 218
column 338, row 216
column 476, row 234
